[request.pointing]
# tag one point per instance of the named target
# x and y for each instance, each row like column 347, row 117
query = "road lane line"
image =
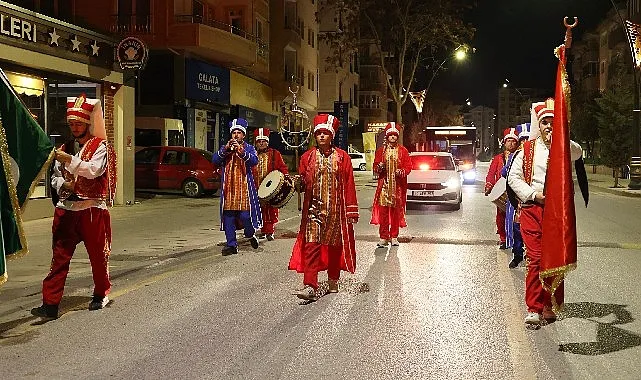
column 521, row 355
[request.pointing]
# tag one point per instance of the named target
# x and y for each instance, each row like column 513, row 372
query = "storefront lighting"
column 26, row 84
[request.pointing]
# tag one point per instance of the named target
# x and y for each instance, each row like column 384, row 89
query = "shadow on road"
column 609, row 338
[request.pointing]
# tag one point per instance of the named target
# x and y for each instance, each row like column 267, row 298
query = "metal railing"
column 125, row 23
column 262, row 47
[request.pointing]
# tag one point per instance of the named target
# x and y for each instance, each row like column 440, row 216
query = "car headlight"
column 452, row 183
column 469, row 175
column 466, row 166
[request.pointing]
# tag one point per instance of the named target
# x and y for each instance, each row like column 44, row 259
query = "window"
column 175, row 157
column 259, row 29
column 147, row 156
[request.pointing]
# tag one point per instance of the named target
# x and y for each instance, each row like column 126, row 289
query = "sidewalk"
column 604, row 183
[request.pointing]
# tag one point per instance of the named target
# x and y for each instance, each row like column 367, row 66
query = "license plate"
column 423, row 193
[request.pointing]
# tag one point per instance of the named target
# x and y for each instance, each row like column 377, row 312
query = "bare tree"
column 405, row 32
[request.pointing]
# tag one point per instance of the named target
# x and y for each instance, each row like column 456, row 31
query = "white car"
column 358, row 161
column 434, row 179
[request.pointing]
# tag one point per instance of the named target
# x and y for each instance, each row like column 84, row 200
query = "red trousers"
column 536, row 298
column 270, row 218
column 389, row 222
column 91, row 226
column 314, row 257
column 500, row 224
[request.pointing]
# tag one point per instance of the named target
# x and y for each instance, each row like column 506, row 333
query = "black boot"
column 515, row 262
column 45, row 311
column 230, row 251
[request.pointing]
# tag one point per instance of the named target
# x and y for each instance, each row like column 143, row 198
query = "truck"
column 460, row 141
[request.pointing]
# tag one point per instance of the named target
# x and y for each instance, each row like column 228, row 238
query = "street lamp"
column 635, row 160
column 460, row 53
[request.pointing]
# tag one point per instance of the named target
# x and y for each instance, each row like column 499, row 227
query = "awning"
column 26, row 84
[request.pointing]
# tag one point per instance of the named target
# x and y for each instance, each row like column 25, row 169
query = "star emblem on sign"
column 76, row 43
column 53, row 38
column 94, row 48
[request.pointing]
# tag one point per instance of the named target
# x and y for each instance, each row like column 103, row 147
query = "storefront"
column 207, row 93
column 46, row 61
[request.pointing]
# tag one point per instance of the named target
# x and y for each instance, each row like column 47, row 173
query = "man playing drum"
column 392, row 164
column 238, row 194
column 512, row 214
column 269, row 159
column 326, row 236
column 510, row 143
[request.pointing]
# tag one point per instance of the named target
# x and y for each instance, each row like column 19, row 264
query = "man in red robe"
column 269, row 159
column 510, row 143
column 392, row 164
column 84, row 182
column 326, row 237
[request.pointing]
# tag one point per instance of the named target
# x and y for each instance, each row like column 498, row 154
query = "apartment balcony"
column 291, row 38
column 131, row 24
column 219, row 42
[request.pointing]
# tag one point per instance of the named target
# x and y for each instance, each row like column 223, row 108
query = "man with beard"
column 269, row 159
column 84, row 183
column 510, row 143
column 326, row 236
column 526, row 178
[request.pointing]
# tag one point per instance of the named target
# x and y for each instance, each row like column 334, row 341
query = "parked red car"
column 171, row 168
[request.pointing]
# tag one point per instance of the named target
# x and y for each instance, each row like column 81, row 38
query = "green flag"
column 25, row 153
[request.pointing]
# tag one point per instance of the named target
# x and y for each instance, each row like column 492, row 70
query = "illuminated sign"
column 17, row 28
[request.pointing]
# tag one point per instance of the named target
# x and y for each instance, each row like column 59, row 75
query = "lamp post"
column 635, row 160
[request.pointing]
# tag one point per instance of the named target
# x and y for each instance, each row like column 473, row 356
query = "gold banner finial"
column 568, row 30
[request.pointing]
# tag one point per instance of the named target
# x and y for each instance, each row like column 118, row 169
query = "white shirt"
column 516, row 178
column 89, row 169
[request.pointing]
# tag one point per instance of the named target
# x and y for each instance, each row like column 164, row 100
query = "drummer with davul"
column 510, row 144
column 238, row 194
column 269, row 159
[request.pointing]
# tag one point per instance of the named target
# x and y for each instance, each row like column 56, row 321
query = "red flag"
column 559, row 218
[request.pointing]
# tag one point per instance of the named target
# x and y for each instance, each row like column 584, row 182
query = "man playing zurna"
column 326, row 236
column 84, row 184
column 392, row 164
column 238, row 194
column 269, row 159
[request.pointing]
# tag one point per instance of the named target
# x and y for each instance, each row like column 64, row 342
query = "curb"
column 613, row 191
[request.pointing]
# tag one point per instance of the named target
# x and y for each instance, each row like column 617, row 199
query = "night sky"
column 515, row 39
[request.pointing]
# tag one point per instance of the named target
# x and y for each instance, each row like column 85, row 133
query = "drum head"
column 271, row 184
column 498, row 189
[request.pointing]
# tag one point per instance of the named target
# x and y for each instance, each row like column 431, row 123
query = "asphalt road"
column 442, row 305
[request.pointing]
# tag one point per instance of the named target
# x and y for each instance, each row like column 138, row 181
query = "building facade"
column 294, row 53
column 48, row 57
column 514, row 108
column 208, row 63
column 372, row 96
column 338, row 74
column 483, row 118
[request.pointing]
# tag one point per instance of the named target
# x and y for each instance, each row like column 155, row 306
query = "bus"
column 458, row 140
